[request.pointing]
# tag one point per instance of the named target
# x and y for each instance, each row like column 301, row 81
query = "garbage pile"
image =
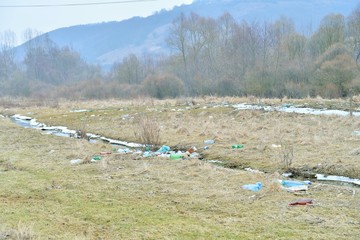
column 166, row 152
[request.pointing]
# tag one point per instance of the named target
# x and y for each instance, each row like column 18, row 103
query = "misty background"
column 227, row 48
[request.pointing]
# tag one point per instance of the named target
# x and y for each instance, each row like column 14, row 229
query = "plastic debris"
column 75, row 161
column 287, row 174
column 147, row 154
column 237, row 146
column 294, row 186
column 194, row 155
column 124, row 150
column 357, row 133
column 175, row 156
column 206, row 147
column 288, row 183
column 322, row 177
column 191, row 150
column 163, row 149
column 215, row 161
column 253, row 170
column 96, row 158
column 209, row 141
column 275, row 145
column 253, row 187
column 302, row 202
column 79, row 110
column 122, row 143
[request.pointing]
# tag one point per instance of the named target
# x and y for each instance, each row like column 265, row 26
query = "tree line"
column 208, row 57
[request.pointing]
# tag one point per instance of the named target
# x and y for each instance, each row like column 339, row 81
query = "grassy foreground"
column 43, row 196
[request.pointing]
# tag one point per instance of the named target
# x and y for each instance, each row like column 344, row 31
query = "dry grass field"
column 43, row 196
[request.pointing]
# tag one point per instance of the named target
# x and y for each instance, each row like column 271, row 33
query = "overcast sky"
column 45, row 19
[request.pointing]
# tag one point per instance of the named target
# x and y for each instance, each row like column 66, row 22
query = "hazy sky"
column 45, row 19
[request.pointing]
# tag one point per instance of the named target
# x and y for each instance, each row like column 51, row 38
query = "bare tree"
column 7, row 53
column 354, row 32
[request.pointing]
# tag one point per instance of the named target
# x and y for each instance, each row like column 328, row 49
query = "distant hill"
column 106, row 43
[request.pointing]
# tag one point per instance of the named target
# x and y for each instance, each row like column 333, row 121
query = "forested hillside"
column 209, row 56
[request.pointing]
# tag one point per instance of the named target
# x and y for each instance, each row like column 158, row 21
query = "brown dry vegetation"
column 126, row 196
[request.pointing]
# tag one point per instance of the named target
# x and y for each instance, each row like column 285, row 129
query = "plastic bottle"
column 175, row 156
column 237, row 146
column 96, row 158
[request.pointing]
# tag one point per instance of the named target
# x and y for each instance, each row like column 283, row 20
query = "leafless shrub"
column 147, row 130
column 287, row 154
column 81, row 133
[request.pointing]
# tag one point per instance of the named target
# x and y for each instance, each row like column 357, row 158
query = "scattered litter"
column 215, row 161
column 294, row 186
column 237, row 146
column 287, row 174
column 80, row 110
column 209, row 141
column 105, row 153
column 288, row 183
column 275, row 145
column 194, row 155
column 147, row 154
column 322, row 177
column 75, row 161
column 164, row 149
column 126, row 116
column 253, row 170
column 286, row 105
column 206, row 147
column 357, row 133
column 191, row 150
column 175, row 156
column 302, row 202
column 253, row 187
column 124, row 150
column 122, row 143
column 96, row 158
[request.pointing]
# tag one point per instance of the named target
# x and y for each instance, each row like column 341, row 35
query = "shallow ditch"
column 61, row 131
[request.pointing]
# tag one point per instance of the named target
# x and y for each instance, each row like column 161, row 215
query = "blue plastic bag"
column 253, row 187
column 164, row 149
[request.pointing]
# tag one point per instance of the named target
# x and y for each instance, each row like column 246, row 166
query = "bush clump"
column 163, row 86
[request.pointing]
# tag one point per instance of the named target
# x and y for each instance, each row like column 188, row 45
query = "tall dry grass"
column 147, row 130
